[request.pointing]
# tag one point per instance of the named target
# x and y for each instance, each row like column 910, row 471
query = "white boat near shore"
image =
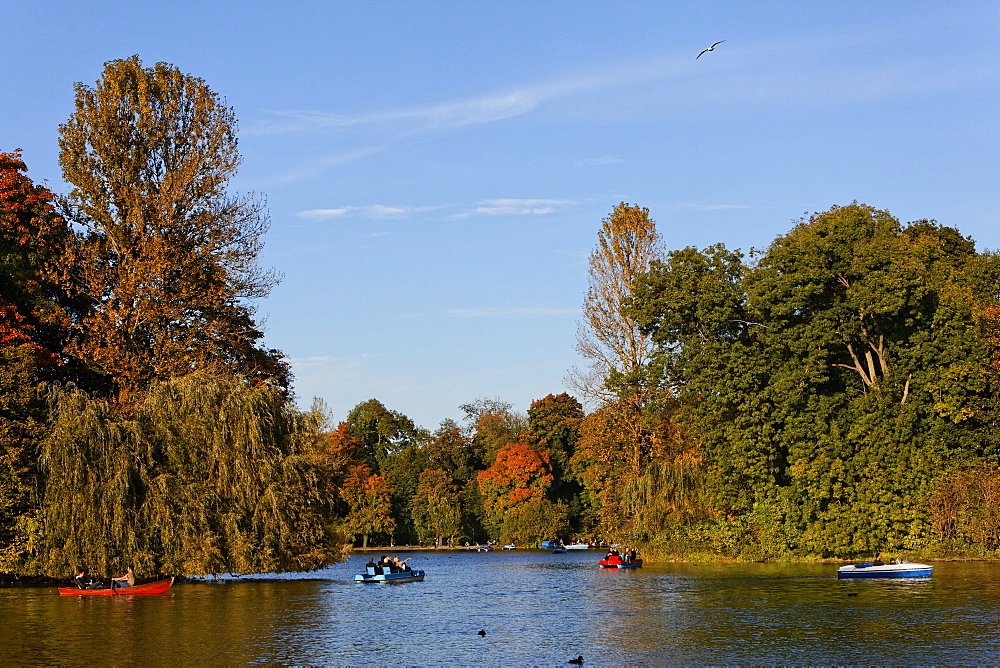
column 868, row 570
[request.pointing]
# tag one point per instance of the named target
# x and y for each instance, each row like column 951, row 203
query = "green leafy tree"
column 167, row 258
column 554, row 427
column 381, row 432
column 831, row 383
column 436, row 508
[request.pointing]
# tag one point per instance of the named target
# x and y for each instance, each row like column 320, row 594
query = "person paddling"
column 126, row 580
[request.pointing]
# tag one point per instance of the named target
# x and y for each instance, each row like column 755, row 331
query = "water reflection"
column 534, row 607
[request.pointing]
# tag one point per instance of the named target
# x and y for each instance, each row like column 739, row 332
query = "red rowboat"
column 158, row 587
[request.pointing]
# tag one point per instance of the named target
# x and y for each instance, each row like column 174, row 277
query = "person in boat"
column 612, row 553
column 126, row 580
column 878, row 560
column 385, row 563
column 400, row 566
column 372, row 567
column 630, row 555
column 84, row 581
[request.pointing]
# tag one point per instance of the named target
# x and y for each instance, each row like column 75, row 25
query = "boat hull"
column 158, row 587
column 866, row 571
column 390, row 578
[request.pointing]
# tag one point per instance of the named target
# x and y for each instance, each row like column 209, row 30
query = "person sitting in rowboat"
column 84, row 581
column 126, row 580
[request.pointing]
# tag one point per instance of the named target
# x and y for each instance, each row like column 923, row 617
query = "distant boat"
column 510, row 547
column 867, row 570
column 484, row 548
column 158, row 587
column 370, row 576
column 559, row 550
column 578, row 546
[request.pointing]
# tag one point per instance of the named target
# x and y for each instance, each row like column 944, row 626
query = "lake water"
column 536, row 608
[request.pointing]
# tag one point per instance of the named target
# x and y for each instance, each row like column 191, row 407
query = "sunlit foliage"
column 207, row 474
column 167, row 258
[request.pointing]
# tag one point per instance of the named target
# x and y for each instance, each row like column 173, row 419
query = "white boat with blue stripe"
column 899, row 570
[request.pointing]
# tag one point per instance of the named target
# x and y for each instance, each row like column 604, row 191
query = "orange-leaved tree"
column 168, row 258
column 370, row 502
column 520, row 475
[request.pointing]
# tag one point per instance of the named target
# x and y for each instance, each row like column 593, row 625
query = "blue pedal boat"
column 372, row 576
column 867, row 570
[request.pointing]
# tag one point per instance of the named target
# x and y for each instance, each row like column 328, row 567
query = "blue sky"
column 437, row 172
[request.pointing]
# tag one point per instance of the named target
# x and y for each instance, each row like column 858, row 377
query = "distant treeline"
column 831, row 396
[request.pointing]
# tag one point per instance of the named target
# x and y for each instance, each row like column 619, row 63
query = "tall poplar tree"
column 167, row 257
column 609, row 338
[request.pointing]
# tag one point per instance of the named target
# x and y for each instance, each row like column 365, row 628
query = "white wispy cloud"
column 520, row 206
column 473, row 111
column 316, row 166
column 511, row 312
column 374, row 211
column 477, row 110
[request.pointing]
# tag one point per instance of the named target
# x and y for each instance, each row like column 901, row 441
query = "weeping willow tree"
column 207, row 474
column 664, row 501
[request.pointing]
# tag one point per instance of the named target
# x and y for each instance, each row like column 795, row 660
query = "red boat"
column 158, row 587
column 615, row 561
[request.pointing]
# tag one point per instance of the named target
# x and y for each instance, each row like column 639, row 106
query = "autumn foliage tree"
column 33, row 327
column 520, row 475
column 369, row 500
column 610, row 338
column 167, row 258
column 33, row 238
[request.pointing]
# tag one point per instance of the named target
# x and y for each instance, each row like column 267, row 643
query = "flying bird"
column 711, row 48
